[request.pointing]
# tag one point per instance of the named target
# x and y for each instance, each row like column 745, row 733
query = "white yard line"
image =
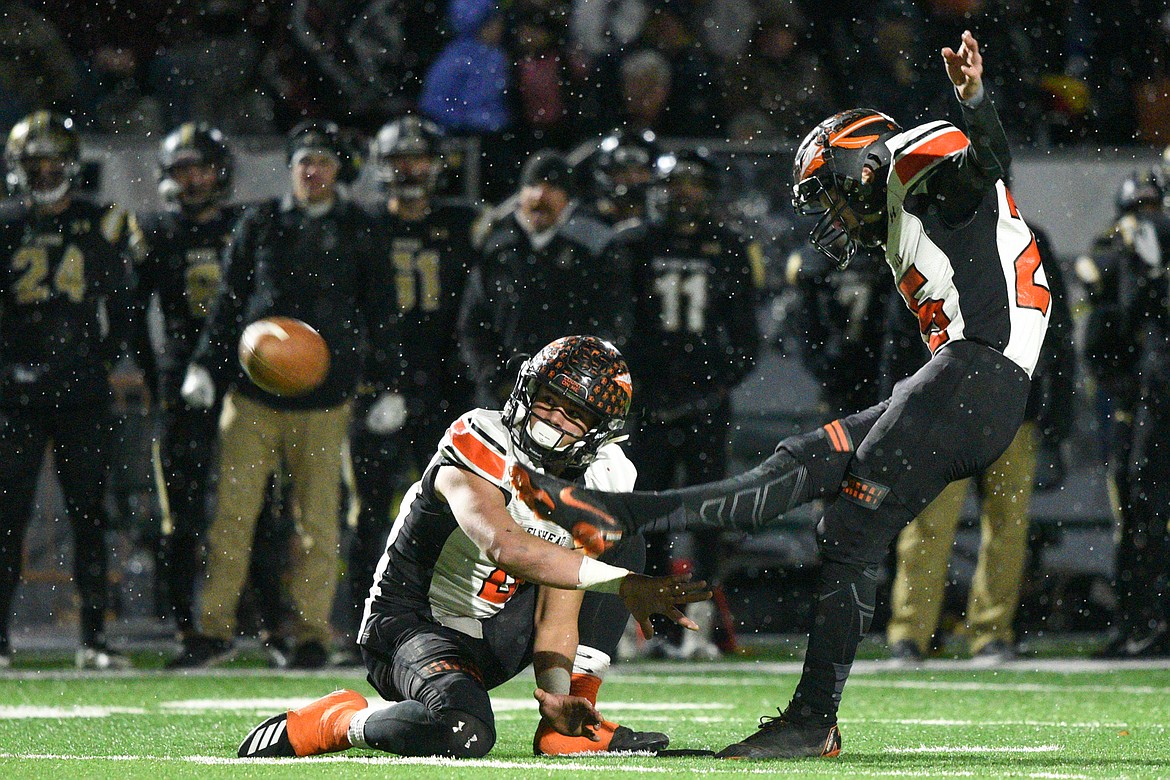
column 555, row 765
column 22, row 711
column 950, row 750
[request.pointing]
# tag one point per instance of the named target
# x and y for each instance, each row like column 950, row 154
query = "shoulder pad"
column 114, row 223
column 501, row 234
column 919, row 150
column 1087, row 271
column 12, row 211
column 611, row 471
column 477, row 442
column 631, row 230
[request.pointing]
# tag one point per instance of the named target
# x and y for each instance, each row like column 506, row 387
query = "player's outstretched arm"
column 990, row 154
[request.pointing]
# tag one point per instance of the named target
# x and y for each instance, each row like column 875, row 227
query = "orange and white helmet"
column 590, row 373
column 827, row 178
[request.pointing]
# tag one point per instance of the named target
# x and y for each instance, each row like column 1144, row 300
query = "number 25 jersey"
column 978, row 277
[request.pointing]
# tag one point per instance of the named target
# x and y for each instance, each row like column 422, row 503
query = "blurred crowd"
column 536, row 73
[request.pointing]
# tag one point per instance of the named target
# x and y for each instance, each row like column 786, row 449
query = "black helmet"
column 43, row 135
column 1140, row 188
column 829, row 162
column 194, row 143
column 408, row 136
column 586, row 370
column 325, row 137
column 622, row 166
column 691, row 164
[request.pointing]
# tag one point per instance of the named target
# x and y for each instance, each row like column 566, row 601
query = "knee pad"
column 467, row 736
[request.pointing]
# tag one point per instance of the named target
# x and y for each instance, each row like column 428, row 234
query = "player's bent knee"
column 467, row 736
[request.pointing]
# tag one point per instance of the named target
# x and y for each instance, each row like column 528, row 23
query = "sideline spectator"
column 547, row 268
column 465, row 91
column 693, row 341
column 778, row 78
column 309, row 256
column 37, row 70
column 427, row 242
column 214, row 75
column 1126, row 350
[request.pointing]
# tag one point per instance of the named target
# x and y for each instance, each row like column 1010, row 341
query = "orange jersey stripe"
column 928, row 153
column 475, row 451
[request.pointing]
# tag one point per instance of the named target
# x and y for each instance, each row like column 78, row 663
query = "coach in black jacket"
column 546, row 270
column 310, row 256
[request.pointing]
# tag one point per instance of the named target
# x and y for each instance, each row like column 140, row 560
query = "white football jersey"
column 431, row 563
column 981, row 280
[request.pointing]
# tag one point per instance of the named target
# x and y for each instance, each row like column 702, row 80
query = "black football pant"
column 80, row 438
column 183, row 461
column 440, row 677
column 948, row 421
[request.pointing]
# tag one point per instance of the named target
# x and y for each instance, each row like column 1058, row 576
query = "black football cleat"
column 268, row 740
column 779, row 737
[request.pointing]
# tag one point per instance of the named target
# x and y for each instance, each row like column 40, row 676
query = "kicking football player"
column 453, row 612
column 968, row 267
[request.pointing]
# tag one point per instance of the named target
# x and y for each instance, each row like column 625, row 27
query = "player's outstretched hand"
column 573, row 716
column 965, row 66
column 645, row 596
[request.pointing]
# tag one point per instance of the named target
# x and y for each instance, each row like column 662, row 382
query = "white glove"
column 387, row 414
column 198, row 390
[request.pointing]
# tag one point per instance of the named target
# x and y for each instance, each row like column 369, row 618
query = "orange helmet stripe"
column 842, row 137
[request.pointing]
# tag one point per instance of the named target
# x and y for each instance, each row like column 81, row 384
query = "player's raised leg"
column 803, row 468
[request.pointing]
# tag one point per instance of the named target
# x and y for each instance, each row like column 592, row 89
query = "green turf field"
column 1065, row 720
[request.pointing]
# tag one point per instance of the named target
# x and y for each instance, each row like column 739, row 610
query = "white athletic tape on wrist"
column 590, row 661
column 601, row 577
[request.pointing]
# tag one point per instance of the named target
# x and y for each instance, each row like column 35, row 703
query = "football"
column 284, row 356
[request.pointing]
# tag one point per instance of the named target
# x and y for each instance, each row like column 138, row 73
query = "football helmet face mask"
column 586, row 372
column 43, row 157
column 408, row 159
column 830, row 181
column 189, row 145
